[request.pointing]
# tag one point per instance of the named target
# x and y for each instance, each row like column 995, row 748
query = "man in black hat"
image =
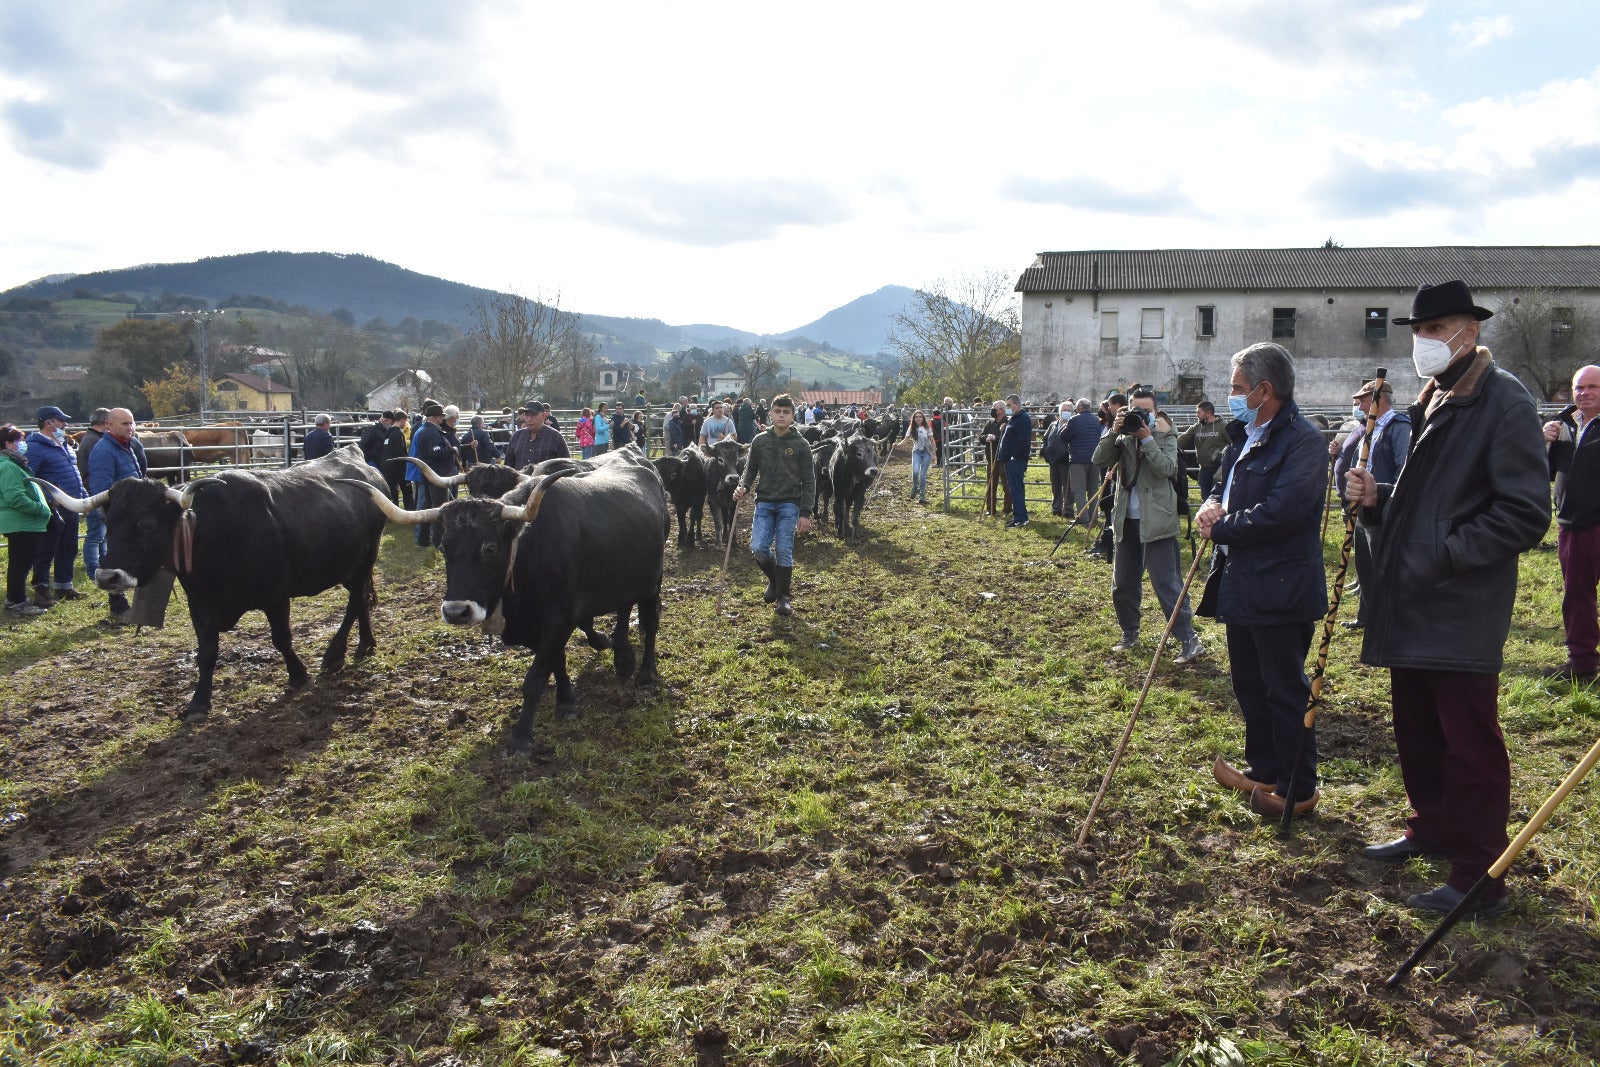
column 1445, row 537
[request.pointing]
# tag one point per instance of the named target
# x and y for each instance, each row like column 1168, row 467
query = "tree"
column 959, row 338
column 513, row 345
column 1542, row 337
column 325, row 361
column 761, row 370
column 572, row 377
column 178, row 393
column 133, row 352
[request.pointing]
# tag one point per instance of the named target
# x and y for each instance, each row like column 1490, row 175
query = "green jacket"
column 22, row 505
column 1147, row 465
column 781, row 469
column 1208, row 442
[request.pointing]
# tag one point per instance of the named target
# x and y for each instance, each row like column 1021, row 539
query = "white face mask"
column 1431, row 356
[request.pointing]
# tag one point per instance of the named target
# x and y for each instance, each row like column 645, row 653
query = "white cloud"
column 1483, row 30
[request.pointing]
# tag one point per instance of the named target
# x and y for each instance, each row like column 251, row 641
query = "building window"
column 1206, row 321
column 1283, row 322
column 1561, row 324
column 1150, row 322
column 1377, row 324
column 605, row 379
column 1108, row 325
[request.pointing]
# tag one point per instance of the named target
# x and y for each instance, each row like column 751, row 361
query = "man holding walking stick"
column 1267, row 583
column 1445, row 538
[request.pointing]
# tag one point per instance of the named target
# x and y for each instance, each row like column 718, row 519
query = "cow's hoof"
column 598, row 641
column 519, row 747
column 195, row 713
column 333, row 666
column 365, row 651
column 625, row 666
column 567, row 712
column 303, row 682
column 648, row 677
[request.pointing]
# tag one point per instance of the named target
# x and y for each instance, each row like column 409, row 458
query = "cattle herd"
column 532, row 555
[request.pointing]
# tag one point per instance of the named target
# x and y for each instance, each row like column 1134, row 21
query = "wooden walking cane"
column 1501, row 865
column 1122, row 746
column 1320, row 674
column 989, row 448
column 733, row 525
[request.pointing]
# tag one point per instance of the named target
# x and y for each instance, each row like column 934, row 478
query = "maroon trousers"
column 1457, row 774
column 1580, row 573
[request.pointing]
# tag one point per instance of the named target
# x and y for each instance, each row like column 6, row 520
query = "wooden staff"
column 733, row 524
column 994, row 477
column 1122, row 746
column 1501, row 865
column 1286, row 824
column 1327, row 503
column 1092, row 507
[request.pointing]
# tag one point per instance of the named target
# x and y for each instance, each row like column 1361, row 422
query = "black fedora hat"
column 1437, row 301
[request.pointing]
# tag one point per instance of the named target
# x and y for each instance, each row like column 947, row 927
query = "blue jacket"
column 318, row 443
column 1083, row 433
column 436, row 448
column 1389, row 454
column 55, row 464
column 1016, row 441
column 111, row 461
column 1273, row 572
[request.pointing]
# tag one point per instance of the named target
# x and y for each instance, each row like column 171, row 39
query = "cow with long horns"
column 579, row 540
column 249, row 541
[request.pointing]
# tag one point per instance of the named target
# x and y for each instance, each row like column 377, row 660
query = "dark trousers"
column 20, row 550
column 60, row 548
column 430, row 496
column 1016, row 471
column 1363, row 554
column 1060, row 488
column 1269, row 681
column 1206, row 477
column 1580, row 573
column 1457, row 774
column 397, row 493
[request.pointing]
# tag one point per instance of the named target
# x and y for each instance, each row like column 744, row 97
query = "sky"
column 755, row 165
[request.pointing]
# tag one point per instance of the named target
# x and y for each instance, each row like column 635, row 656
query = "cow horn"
column 535, row 498
column 186, row 494
column 395, row 514
column 81, row 505
column 433, row 476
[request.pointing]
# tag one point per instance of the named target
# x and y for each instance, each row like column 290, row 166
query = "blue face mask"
column 60, row 436
column 1239, row 407
column 22, row 448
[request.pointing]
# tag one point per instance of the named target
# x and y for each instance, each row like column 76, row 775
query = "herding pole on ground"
column 1122, row 746
column 733, row 525
column 1321, row 673
column 1089, row 507
column 1501, row 865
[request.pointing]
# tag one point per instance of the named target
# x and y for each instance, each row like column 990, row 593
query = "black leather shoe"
column 1401, row 848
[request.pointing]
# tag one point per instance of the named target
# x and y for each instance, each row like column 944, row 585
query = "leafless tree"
column 514, row 344
column 959, row 337
column 572, row 376
column 327, row 363
column 761, row 370
column 1542, row 336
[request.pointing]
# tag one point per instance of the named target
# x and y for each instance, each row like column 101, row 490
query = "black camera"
column 1132, row 420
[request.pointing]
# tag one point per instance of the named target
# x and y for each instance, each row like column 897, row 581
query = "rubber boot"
column 784, row 575
column 770, row 569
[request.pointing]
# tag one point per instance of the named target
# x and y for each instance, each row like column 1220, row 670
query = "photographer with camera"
column 1144, row 521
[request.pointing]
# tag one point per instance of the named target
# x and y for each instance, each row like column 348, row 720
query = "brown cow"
column 167, row 452
column 223, row 442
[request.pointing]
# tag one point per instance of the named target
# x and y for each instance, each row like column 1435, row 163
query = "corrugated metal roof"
column 1161, row 269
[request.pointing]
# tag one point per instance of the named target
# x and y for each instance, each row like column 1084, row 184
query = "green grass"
column 845, row 837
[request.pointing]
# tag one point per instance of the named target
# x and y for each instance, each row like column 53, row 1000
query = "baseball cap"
column 50, row 411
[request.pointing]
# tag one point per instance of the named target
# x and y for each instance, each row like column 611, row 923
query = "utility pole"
column 201, row 318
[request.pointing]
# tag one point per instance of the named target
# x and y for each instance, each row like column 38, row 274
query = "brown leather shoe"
column 1264, row 801
column 1230, row 777
column 42, row 597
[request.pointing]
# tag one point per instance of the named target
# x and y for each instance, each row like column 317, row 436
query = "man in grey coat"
column 1473, row 496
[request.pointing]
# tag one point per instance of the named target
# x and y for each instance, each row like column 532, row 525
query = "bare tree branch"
column 959, row 338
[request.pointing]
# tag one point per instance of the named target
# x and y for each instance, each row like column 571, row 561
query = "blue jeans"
column 920, row 462
column 94, row 541
column 588, row 451
column 774, row 521
column 1016, row 469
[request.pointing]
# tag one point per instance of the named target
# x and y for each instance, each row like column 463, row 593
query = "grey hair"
column 1267, row 362
column 323, row 420
column 1084, row 406
column 99, row 416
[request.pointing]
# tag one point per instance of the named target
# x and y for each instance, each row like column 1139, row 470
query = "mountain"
column 371, row 289
column 863, row 325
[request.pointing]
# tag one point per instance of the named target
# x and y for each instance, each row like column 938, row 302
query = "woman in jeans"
column 24, row 515
column 920, row 434
column 602, row 429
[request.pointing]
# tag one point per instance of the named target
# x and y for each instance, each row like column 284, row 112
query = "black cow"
column 685, row 477
column 255, row 540
column 854, row 469
column 725, row 465
column 491, row 480
column 822, row 456
column 581, row 539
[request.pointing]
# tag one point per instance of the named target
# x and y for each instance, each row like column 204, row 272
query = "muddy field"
column 846, row 837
